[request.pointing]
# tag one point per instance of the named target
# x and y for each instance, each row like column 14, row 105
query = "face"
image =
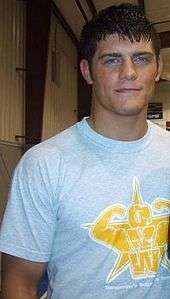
column 123, row 75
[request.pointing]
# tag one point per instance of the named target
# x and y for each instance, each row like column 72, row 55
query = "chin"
column 132, row 108
column 133, row 111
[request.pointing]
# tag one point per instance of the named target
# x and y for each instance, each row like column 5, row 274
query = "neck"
column 125, row 128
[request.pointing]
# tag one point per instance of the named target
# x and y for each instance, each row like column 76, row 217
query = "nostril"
column 128, row 71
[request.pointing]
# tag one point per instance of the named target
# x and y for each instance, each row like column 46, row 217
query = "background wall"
column 12, row 35
column 9, row 156
column 60, row 106
column 162, row 95
column 12, row 99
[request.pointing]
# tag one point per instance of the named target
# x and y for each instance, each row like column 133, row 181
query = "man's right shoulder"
column 54, row 146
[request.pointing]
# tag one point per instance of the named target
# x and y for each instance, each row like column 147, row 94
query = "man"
column 92, row 203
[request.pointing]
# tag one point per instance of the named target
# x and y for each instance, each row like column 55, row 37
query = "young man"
column 92, row 203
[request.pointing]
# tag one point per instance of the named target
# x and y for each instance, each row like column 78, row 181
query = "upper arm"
column 29, row 222
column 21, row 277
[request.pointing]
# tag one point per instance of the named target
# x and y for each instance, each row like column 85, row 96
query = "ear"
column 159, row 68
column 85, row 70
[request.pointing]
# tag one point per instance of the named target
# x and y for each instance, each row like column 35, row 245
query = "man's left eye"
column 140, row 59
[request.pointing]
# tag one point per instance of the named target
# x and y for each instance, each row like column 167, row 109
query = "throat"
column 125, row 130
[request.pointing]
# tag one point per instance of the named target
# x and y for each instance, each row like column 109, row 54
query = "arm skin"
column 20, row 278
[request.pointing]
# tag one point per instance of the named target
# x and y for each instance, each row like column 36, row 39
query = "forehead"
column 113, row 44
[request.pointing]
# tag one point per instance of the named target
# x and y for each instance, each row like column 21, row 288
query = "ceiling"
column 77, row 12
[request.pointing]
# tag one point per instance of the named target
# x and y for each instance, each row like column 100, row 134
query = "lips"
column 126, row 90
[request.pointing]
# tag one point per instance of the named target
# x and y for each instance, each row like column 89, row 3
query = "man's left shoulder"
column 161, row 133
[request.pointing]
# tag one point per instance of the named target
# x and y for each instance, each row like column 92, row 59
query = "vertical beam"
column 92, row 7
column 37, row 40
column 64, row 24
column 81, row 10
column 165, row 39
column 142, row 4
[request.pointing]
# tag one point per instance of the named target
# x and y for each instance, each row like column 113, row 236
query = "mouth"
column 128, row 90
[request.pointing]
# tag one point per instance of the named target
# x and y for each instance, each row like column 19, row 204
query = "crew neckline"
column 113, row 144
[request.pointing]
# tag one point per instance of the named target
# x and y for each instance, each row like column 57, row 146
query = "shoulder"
column 160, row 137
column 54, row 146
column 159, row 131
column 54, row 152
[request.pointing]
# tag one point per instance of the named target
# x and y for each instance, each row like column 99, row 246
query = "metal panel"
column 72, row 14
column 12, row 36
column 60, row 106
column 159, row 11
column 161, row 27
column 165, row 53
column 87, row 9
column 9, row 156
column 100, row 4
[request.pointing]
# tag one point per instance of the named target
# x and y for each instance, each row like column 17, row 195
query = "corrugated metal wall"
column 9, row 156
column 12, row 37
column 60, row 107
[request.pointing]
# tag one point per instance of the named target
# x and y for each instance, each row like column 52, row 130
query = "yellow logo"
column 140, row 240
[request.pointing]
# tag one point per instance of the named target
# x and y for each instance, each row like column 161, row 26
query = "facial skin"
column 123, row 75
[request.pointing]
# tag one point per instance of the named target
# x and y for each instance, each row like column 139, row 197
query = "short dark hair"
column 125, row 20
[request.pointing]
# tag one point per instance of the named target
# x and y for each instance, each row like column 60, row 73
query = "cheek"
column 149, row 86
column 105, row 81
column 149, row 81
column 101, row 82
column 104, row 75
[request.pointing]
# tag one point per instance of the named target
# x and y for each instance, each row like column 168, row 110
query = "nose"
column 128, row 70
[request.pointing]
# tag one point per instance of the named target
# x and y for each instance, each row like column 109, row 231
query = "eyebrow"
column 145, row 53
column 110, row 55
column 135, row 54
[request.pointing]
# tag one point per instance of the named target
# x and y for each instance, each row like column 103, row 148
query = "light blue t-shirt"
column 97, row 210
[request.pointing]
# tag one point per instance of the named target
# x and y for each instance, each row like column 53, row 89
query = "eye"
column 141, row 59
column 113, row 61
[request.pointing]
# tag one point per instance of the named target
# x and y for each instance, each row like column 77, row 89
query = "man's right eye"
column 113, row 60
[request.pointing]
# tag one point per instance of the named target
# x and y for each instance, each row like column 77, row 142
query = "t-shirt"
column 97, row 210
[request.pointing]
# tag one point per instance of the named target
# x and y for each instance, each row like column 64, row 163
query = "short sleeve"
column 29, row 222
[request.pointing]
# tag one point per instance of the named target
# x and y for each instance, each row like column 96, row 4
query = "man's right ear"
column 85, row 70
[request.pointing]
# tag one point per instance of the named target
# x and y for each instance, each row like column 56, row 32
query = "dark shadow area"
column 169, row 239
column 43, row 285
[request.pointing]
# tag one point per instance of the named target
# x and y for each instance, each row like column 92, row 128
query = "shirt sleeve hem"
column 24, row 253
